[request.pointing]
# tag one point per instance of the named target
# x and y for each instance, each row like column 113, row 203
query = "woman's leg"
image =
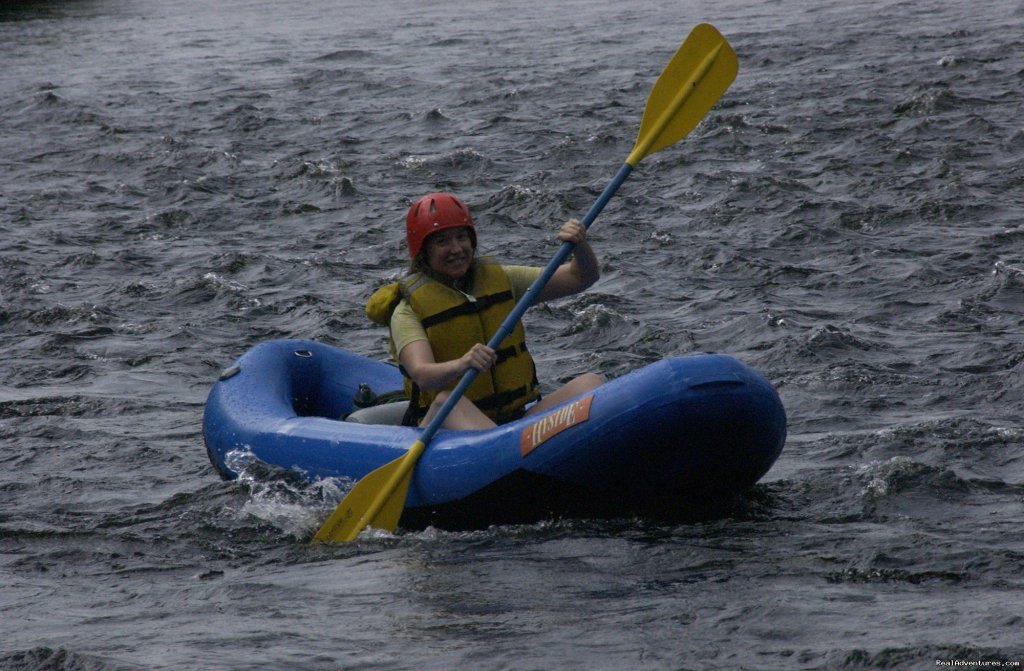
column 465, row 414
column 574, row 387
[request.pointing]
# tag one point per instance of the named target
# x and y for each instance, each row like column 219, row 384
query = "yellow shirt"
column 406, row 326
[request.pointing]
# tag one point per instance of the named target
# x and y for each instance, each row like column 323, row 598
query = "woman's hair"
column 418, row 264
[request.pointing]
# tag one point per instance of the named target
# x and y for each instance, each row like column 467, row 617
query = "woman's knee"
column 588, row 381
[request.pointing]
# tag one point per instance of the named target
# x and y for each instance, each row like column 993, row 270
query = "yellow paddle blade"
column 696, row 77
column 377, row 500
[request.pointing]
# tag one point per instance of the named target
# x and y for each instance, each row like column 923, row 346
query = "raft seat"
column 386, row 413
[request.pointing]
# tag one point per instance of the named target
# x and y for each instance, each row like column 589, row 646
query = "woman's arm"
column 418, row 361
column 577, row 274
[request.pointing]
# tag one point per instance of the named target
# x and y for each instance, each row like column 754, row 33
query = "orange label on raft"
column 554, row 423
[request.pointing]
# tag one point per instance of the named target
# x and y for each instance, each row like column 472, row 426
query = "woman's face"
column 450, row 252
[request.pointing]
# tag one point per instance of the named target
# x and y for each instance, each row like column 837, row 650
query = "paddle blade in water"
column 377, row 501
column 698, row 74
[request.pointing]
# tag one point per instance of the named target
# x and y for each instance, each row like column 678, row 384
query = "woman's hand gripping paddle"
column 698, row 74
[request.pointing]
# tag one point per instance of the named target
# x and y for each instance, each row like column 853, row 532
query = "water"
column 181, row 180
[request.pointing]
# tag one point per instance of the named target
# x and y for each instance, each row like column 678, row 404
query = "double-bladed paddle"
column 699, row 73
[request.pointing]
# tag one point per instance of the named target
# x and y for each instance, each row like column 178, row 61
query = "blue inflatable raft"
column 666, row 441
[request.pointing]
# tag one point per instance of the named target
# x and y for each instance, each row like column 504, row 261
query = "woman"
column 443, row 313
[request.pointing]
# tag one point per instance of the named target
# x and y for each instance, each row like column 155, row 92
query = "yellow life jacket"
column 454, row 322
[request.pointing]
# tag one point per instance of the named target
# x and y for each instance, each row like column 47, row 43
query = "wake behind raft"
column 666, row 441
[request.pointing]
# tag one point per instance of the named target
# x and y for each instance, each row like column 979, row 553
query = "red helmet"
column 432, row 213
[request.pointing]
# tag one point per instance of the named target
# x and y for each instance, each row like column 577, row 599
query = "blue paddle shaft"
column 526, row 301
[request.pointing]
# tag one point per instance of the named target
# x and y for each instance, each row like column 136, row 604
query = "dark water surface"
column 181, row 180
